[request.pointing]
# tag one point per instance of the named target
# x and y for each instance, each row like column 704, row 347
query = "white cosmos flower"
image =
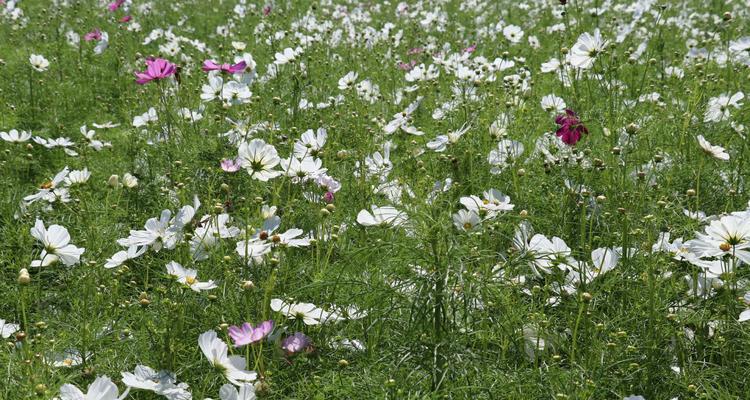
column 506, row 152
column 302, row 170
column 162, row 382
column 308, row 313
column 123, row 256
column 287, row 55
column 235, row 93
column 553, row 104
column 717, row 152
column 586, row 49
column 68, row 358
column 76, row 177
column 311, row 143
column 259, row 159
column 729, row 235
column 7, row 329
column 513, row 33
column 129, row 181
column 164, row 231
column 146, row 118
column 102, row 44
column 38, row 62
column 232, row 367
column 466, row 220
column 57, row 246
column 214, row 88
column 548, row 253
column 718, row 107
column 51, row 190
column 14, row 136
column 253, row 250
column 347, row 82
column 101, row 389
column 493, row 203
column 188, row 277
column 440, row 143
column 381, row 216
column 245, row 392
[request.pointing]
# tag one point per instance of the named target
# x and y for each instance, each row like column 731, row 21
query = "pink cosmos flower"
column 113, row 6
column 571, row 128
column 470, row 49
column 246, row 334
column 96, row 34
column 407, row 66
column 296, row 343
column 266, row 10
column 229, row 165
column 328, row 197
column 415, row 50
column 158, row 68
column 125, row 19
column 209, row 65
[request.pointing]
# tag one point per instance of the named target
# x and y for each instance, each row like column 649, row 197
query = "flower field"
column 351, row 199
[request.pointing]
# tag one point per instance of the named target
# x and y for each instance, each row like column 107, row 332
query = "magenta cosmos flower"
column 210, row 65
column 96, row 34
column 113, row 6
column 156, row 68
column 571, row 128
column 296, row 343
column 246, row 334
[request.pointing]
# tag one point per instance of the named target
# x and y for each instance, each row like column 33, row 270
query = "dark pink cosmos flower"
column 96, row 34
column 296, row 343
column 229, row 165
column 266, row 10
column 246, row 334
column 113, row 6
column 156, row 68
column 209, row 65
column 328, row 197
column 125, row 19
column 571, row 128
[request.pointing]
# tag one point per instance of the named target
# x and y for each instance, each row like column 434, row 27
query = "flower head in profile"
column 381, row 216
column 296, row 343
column 188, row 277
column 247, row 334
column 160, row 382
column 210, row 65
column 7, row 329
column 571, row 128
column 232, row 367
column 308, row 313
column 230, row 165
column 717, row 152
column 156, row 68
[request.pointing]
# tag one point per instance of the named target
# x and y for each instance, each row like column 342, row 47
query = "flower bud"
column 113, row 181
column 23, row 277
